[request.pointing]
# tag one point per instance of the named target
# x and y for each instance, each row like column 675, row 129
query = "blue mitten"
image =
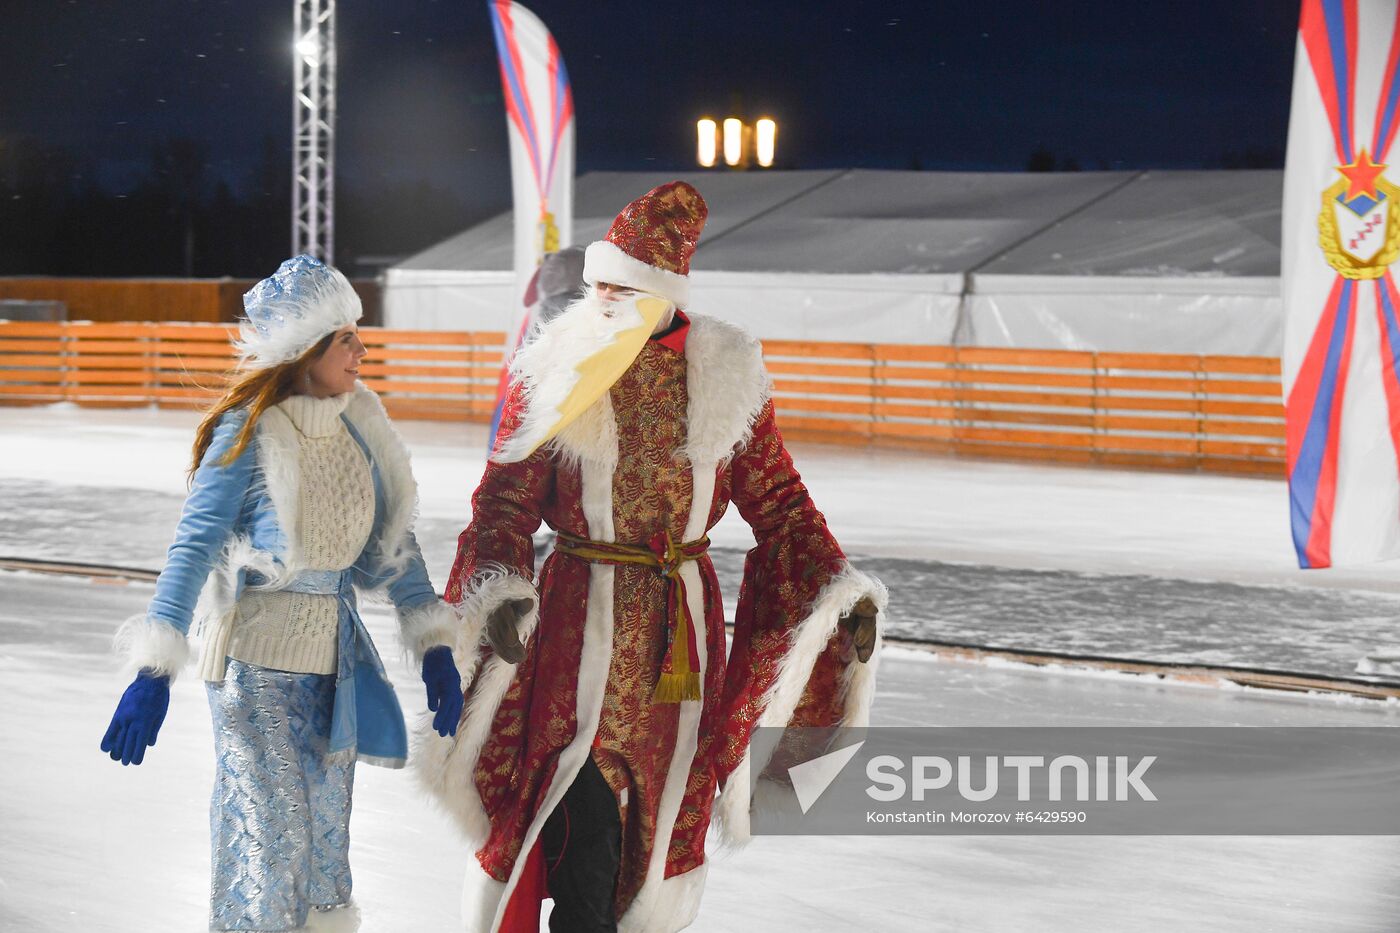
column 444, row 689
column 136, row 723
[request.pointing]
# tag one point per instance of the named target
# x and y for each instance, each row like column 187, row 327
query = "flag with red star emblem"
column 1341, row 234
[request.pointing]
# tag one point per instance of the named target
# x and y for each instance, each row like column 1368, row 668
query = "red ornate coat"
column 687, row 430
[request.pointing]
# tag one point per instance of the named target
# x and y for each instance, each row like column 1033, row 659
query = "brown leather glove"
column 860, row 622
column 502, row 629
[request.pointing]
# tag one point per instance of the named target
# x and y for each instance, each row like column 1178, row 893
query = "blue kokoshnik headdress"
column 286, row 313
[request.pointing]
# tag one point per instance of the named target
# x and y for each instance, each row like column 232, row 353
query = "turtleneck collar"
column 315, row 417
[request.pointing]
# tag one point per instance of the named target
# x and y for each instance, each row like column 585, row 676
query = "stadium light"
column 313, row 129
column 733, row 141
column 741, row 145
column 706, row 133
column 765, row 139
column 308, row 48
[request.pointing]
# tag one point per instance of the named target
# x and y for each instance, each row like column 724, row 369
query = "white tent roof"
column 1174, row 262
column 1163, row 224
column 733, row 199
column 1153, row 224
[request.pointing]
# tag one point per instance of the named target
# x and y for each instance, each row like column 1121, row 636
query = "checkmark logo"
column 811, row 778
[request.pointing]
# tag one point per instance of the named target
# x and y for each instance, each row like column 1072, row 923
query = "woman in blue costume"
column 301, row 491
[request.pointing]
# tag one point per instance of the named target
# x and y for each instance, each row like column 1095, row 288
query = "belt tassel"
column 679, row 679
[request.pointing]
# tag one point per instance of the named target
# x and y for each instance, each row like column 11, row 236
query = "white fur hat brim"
column 604, row 262
column 280, row 324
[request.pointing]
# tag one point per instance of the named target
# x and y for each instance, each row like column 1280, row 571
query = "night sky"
column 971, row 85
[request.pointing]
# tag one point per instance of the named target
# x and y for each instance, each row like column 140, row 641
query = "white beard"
column 666, row 320
column 547, row 366
column 590, row 299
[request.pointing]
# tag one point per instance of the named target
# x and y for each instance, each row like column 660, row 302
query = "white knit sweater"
column 297, row 631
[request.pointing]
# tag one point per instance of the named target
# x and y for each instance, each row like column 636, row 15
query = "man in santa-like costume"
column 602, row 714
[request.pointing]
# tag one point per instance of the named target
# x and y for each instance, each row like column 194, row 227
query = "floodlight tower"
column 313, row 131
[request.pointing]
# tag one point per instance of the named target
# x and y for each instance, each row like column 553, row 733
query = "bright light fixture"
column 706, row 134
column 765, row 139
column 733, row 141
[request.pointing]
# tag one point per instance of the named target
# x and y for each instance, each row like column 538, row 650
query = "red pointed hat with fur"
column 650, row 243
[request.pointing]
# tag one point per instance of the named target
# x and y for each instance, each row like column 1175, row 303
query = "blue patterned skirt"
column 280, row 816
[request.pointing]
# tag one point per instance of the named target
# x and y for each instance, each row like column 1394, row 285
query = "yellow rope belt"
column 680, row 673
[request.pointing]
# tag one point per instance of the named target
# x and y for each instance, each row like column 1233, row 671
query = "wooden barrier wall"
column 107, row 300
column 1144, row 410
column 1125, row 409
column 208, row 301
column 420, row 374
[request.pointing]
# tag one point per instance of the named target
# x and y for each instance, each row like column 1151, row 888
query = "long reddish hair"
column 257, row 390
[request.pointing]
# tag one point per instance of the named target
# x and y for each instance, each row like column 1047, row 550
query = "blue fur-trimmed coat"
column 246, row 516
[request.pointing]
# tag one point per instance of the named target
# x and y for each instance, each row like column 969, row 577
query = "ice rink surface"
column 90, row 846
column 1077, row 559
column 1153, row 566
column 881, row 503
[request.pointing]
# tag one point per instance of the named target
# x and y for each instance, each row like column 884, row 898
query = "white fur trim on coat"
column 677, row 902
column 450, row 774
column 150, row 643
column 595, row 658
column 727, row 385
column 807, row 642
column 279, row 463
column 427, row 626
column 446, row 767
column 278, row 452
column 604, row 262
column 662, row 902
column 214, row 615
column 366, row 412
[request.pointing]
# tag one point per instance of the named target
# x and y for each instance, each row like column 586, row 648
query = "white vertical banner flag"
column 1341, row 233
column 540, row 121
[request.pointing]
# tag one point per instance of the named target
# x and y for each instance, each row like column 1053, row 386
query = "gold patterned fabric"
column 679, row 679
column 636, row 737
column 651, row 495
column 662, row 227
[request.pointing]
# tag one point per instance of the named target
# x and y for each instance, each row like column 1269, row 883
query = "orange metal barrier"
column 1127, row 409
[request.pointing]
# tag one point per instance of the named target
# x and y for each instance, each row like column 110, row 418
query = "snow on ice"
column 88, row 845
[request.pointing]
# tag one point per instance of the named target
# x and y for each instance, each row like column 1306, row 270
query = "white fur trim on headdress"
column 289, row 311
column 604, row 262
